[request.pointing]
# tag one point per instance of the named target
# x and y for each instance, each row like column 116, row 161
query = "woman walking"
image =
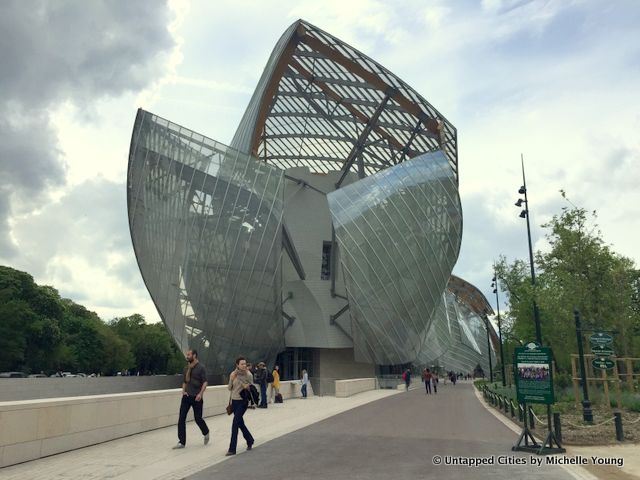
column 275, row 384
column 239, row 380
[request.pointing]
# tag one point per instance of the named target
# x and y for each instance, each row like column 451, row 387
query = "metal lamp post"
column 486, row 323
column 587, row 413
column 536, row 313
column 494, row 284
column 525, row 214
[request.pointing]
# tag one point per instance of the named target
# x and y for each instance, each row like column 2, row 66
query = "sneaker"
column 228, row 454
column 178, row 446
column 206, row 439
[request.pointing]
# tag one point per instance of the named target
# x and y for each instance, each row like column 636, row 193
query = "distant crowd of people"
column 243, row 395
column 430, row 379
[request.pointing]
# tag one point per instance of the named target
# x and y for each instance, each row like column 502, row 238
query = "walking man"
column 305, row 382
column 426, row 378
column 194, row 383
column 261, row 379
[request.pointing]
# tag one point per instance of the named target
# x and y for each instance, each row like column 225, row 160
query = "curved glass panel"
column 206, row 225
column 462, row 332
column 398, row 234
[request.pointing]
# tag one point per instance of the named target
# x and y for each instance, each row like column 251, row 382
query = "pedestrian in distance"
column 261, row 378
column 240, row 381
column 426, row 378
column 274, row 386
column 194, row 383
column 406, row 376
column 305, row 382
column 434, row 382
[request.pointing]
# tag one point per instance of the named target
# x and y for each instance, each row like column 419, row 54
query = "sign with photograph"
column 533, row 374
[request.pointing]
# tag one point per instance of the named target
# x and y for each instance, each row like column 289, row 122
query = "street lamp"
column 494, row 284
column 486, row 324
column 525, row 214
column 536, row 313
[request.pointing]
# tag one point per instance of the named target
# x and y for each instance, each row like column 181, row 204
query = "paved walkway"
column 399, row 437
column 149, row 455
column 382, row 434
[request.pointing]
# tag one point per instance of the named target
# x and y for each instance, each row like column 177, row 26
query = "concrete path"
column 149, row 455
column 381, row 434
column 399, row 437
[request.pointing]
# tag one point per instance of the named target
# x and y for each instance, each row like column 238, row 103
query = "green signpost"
column 534, row 374
column 602, row 347
column 602, row 363
column 602, row 350
column 600, row 338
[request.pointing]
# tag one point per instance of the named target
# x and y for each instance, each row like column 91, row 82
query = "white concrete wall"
column 32, row 429
column 347, row 388
column 306, row 214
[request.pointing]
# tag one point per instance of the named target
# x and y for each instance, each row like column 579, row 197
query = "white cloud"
column 557, row 81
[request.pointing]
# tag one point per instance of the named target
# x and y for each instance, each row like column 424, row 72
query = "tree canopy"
column 42, row 332
column 578, row 272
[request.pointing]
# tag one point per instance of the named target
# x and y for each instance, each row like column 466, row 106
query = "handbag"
column 229, row 406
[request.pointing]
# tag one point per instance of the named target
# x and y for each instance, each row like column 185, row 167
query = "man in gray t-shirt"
column 194, row 383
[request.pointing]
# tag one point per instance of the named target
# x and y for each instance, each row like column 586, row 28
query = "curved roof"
column 321, row 103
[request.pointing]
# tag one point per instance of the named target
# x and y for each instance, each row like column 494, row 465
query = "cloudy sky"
column 558, row 81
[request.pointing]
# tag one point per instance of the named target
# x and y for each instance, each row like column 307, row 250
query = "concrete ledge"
column 32, row 429
column 347, row 388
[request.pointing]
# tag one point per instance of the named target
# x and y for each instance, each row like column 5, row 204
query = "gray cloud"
column 65, row 51
column 77, row 50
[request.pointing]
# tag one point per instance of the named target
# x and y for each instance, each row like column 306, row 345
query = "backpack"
column 404, row 376
column 269, row 377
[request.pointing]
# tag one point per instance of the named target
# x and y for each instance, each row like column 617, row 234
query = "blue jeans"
column 263, row 395
column 303, row 390
column 239, row 407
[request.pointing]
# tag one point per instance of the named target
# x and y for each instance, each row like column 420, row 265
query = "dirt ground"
column 603, row 430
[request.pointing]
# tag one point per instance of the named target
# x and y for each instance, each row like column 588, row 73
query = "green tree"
column 579, row 271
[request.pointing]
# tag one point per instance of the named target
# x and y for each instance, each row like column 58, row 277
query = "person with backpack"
column 406, row 376
column 274, row 385
column 262, row 379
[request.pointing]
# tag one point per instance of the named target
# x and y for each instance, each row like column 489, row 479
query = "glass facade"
column 457, row 338
column 399, row 236
column 206, row 225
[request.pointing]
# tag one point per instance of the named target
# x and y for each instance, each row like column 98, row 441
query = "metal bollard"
column 507, row 402
column 520, row 415
column 557, row 428
column 513, row 414
column 618, row 422
column 532, row 421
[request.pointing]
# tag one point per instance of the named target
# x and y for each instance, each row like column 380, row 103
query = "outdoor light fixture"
column 523, row 214
column 519, row 202
column 494, row 285
column 522, row 190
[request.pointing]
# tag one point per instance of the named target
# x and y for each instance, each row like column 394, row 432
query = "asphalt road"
column 393, row 438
